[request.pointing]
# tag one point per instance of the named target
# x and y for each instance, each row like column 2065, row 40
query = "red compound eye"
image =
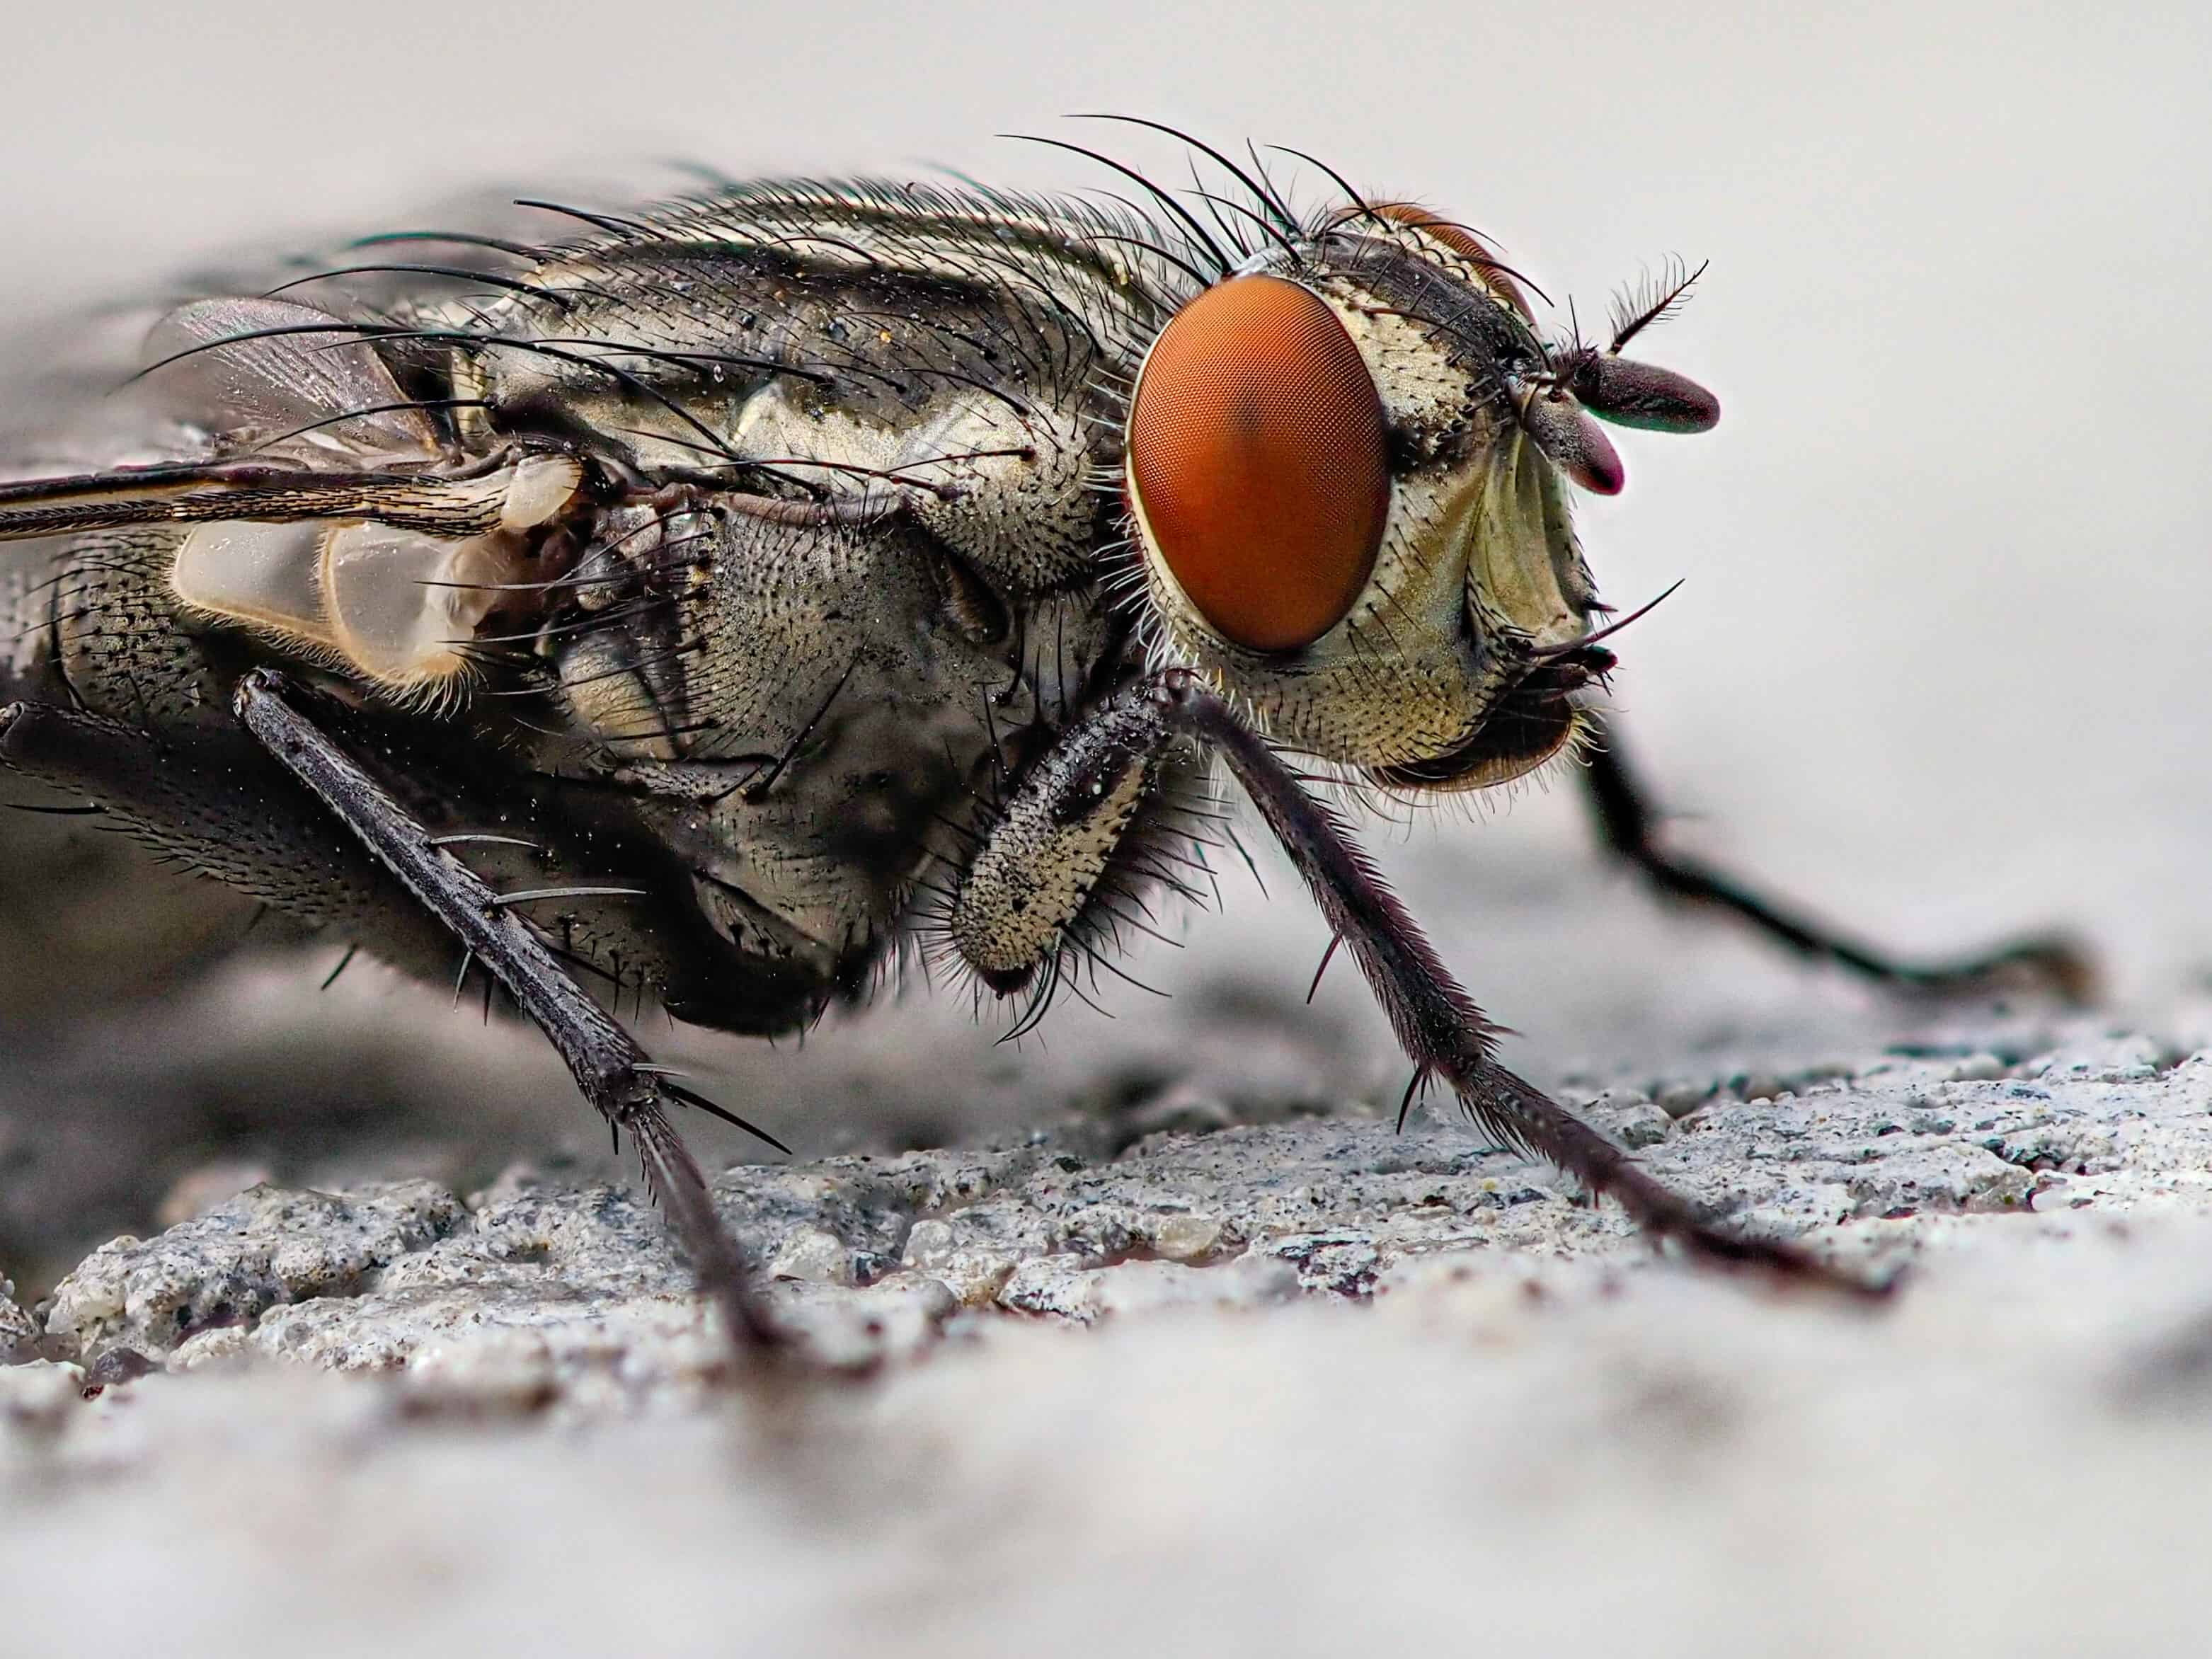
column 1258, row 462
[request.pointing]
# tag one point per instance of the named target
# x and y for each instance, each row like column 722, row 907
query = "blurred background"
column 1936, row 669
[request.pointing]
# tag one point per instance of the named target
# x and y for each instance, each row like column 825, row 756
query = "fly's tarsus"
column 1628, row 824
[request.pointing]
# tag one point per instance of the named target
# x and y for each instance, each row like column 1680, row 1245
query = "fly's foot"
column 2050, row 964
column 1789, row 1265
column 635, row 1097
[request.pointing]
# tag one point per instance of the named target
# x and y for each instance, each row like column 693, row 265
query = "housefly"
column 712, row 601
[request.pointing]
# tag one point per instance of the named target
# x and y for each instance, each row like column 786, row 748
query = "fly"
column 718, row 602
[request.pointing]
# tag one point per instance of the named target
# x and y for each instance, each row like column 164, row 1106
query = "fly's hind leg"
column 1628, row 824
column 1042, row 862
column 231, row 807
column 615, row 1074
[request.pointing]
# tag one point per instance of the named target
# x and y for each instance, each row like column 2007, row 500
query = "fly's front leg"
column 1028, row 884
column 1628, row 824
column 615, row 1074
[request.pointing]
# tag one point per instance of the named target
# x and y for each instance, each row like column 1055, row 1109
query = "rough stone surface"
column 247, row 1256
column 1373, row 1391
column 577, row 1289
column 19, row 1332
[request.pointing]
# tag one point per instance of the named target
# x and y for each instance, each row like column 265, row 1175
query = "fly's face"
column 1347, row 465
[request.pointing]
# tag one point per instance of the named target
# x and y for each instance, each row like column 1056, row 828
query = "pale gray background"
column 1938, row 667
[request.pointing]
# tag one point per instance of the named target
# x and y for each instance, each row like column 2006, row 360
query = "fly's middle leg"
column 1629, row 825
column 343, row 854
column 1055, row 841
column 613, row 1072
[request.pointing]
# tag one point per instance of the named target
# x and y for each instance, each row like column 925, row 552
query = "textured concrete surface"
column 1306, row 1387
column 368, row 1279
column 19, row 1332
column 375, row 1279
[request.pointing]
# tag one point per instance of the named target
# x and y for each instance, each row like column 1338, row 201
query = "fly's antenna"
column 1652, row 301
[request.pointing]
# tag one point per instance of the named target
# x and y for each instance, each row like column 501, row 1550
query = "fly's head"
column 1347, row 465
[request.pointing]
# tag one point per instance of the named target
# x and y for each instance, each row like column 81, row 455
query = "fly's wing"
column 333, row 520
column 286, row 381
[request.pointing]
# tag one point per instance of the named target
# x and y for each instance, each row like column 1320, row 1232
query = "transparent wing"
column 285, row 380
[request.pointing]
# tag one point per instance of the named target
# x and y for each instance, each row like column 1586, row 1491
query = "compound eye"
column 1258, row 462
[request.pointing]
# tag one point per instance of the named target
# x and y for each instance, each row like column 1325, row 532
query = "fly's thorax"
column 958, row 358
column 1004, row 484
column 1007, row 482
column 806, row 713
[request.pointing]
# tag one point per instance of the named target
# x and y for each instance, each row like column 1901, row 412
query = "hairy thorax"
column 809, row 719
